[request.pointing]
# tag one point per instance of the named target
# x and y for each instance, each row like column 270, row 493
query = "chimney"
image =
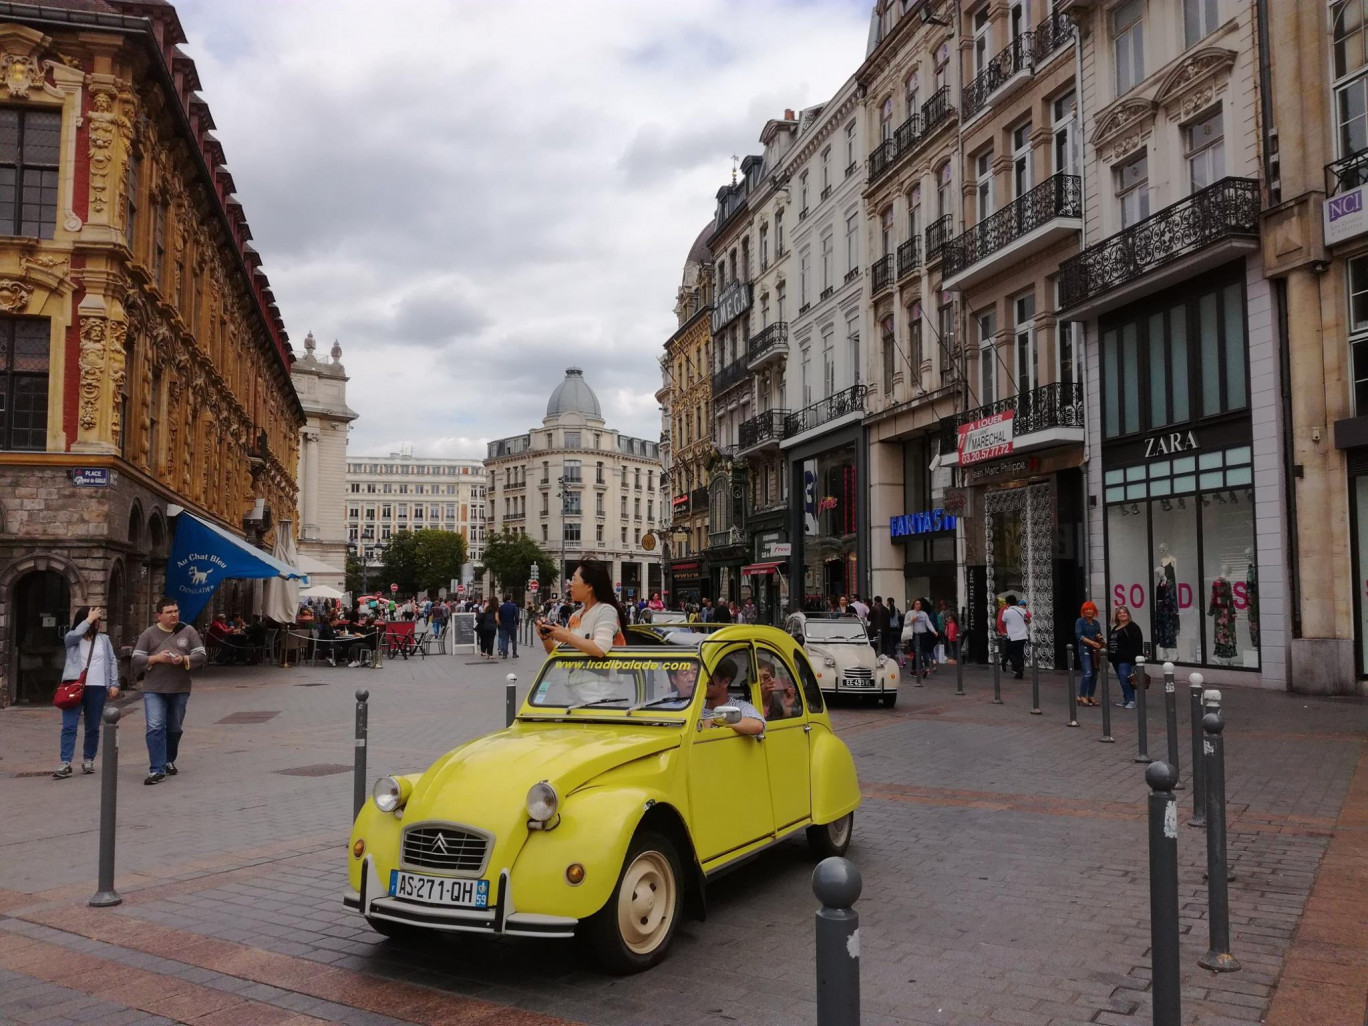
column 788, row 114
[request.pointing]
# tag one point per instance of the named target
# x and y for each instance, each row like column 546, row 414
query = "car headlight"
column 388, row 794
column 883, row 660
column 829, row 661
column 542, row 803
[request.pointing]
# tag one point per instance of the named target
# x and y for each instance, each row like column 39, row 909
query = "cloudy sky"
column 472, row 196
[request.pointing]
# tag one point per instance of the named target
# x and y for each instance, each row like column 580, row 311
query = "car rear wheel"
column 634, row 928
column 831, row 838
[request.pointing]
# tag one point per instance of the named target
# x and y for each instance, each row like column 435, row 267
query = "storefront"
column 926, row 531
column 830, row 551
column 1178, row 480
column 765, row 579
column 688, row 580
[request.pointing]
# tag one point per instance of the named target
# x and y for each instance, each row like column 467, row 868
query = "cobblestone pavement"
column 1004, row 858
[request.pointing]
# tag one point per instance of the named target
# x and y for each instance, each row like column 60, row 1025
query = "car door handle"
column 807, row 728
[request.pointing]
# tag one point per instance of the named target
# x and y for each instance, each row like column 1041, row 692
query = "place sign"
column 731, row 304
column 90, row 477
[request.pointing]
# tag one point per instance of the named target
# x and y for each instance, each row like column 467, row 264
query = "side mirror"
column 729, row 714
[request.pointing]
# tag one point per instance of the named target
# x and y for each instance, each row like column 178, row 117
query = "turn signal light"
column 358, row 848
column 574, row 873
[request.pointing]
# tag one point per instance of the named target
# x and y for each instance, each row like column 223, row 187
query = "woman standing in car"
column 597, row 626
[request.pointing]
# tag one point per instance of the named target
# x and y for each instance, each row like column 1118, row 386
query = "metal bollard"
column 1073, row 695
column 1171, row 724
column 995, row 652
column 359, row 771
column 511, row 699
column 1035, row 675
column 1141, row 722
column 1163, row 869
column 1106, row 737
column 836, row 883
column 106, row 895
column 1218, row 957
column 1198, row 770
column 959, row 668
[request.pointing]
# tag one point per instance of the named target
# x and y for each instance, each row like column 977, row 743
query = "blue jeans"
column 164, row 714
column 505, row 641
column 92, row 704
column 1123, row 674
column 1087, row 662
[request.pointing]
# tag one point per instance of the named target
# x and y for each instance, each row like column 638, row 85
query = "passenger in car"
column 779, row 695
column 719, row 684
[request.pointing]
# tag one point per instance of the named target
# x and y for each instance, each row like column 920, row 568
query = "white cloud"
column 473, row 196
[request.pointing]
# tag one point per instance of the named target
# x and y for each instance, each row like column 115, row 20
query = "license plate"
column 439, row 890
column 858, row 682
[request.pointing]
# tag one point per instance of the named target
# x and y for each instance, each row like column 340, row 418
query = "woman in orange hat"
column 1091, row 642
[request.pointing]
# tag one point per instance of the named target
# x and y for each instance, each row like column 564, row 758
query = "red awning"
column 760, row 569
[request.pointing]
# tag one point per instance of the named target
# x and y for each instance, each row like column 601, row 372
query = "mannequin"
column 1165, row 604
column 1221, row 609
column 1252, row 591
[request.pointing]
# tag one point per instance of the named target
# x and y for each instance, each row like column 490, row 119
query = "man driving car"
column 723, row 674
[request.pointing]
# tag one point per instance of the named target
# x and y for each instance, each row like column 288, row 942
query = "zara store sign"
column 1168, row 444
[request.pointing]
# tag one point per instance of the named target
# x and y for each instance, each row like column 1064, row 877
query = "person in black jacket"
column 1125, row 644
column 487, row 626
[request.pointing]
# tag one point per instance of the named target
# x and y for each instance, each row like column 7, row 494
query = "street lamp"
column 561, row 494
column 365, row 554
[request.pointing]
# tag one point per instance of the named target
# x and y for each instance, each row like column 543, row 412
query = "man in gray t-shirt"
column 719, row 683
column 167, row 652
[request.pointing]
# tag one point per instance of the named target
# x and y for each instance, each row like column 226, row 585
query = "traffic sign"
column 394, row 588
column 536, row 571
column 532, row 586
column 460, row 589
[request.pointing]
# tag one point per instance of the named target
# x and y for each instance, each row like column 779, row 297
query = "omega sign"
column 734, row 301
column 1167, row 445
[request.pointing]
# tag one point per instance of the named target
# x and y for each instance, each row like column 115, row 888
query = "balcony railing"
column 1052, row 33
column 723, row 539
column 1049, row 406
column 849, row 400
column 1057, row 196
column 1227, row 209
column 909, row 257
column 938, row 233
column 767, row 427
column 910, row 134
column 771, row 338
column 1346, row 174
column 881, row 272
column 1011, row 61
column 730, row 376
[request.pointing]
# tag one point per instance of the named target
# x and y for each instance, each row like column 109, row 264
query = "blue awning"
column 204, row 555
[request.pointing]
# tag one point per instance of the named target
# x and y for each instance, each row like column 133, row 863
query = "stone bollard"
column 1035, row 675
column 511, row 699
column 359, row 769
column 1171, row 724
column 106, row 895
column 1218, row 957
column 1198, row 775
column 1163, row 866
column 836, row 883
column 1141, row 717
column 1073, row 695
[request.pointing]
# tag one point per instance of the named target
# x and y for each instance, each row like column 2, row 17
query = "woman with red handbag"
column 91, row 675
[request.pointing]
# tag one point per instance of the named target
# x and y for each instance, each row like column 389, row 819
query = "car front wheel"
column 395, row 931
column 831, row 838
column 633, row 930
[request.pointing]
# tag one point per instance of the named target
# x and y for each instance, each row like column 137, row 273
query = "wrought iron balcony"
column 852, row 274
column 826, row 293
column 1058, row 197
column 765, row 430
column 881, row 159
column 1013, row 60
column 881, row 273
column 906, row 133
column 1055, row 405
column 935, row 112
column 824, row 193
column 730, row 376
column 909, row 257
column 1052, row 33
column 910, row 134
column 938, row 233
column 770, row 343
column 849, row 400
column 1346, row 174
column 1225, row 210
column 726, row 539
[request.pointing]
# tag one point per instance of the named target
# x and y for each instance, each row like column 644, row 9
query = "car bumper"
column 374, row 902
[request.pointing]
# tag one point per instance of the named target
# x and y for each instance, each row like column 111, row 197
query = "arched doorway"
column 41, row 614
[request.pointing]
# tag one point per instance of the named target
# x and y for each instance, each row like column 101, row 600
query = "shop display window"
column 1176, row 612
column 830, row 519
column 1230, row 578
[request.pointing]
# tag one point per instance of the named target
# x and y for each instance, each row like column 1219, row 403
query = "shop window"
column 23, row 383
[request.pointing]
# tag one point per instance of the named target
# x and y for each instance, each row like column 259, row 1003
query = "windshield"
column 836, row 630
column 621, row 682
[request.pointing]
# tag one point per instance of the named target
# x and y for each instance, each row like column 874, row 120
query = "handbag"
column 70, row 692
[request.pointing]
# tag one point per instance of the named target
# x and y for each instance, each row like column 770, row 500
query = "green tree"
column 400, row 564
column 441, row 554
column 509, row 557
column 354, row 576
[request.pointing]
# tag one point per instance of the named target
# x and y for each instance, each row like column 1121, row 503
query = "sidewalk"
column 1004, row 859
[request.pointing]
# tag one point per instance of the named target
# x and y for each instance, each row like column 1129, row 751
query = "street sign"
column 393, row 588
column 460, row 589
column 618, row 586
column 536, row 571
column 90, row 477
column 532, row 585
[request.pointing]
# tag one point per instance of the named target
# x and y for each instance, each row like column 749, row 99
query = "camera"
column 543, row 629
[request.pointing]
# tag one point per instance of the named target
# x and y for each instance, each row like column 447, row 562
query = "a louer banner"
column 203, row 556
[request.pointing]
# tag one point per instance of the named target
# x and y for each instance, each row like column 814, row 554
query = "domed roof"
column 573, row 395
column 699, row 253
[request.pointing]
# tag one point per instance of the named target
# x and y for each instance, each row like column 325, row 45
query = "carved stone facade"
column 167, row 364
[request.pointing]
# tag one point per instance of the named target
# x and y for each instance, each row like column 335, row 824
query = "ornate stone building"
column 322, row 389
column 143, row 361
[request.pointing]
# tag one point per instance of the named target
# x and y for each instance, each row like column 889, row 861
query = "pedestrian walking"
column 90, row 660
column 918, row 632
column 487, row 626
column 894, row 632
column 749, row 613
column 952, row 639
column 166, row 652
column 1015, row 623
column 1125, row 644
column 1001, row 631
column 1090, row 646
column 508, row 628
